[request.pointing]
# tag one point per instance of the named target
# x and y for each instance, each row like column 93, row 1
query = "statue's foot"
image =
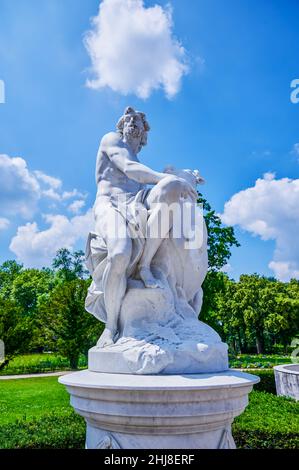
column 106, row 339
column 148, row 279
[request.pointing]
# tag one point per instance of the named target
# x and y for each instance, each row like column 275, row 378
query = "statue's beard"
column 133, row 132
column 133, row 135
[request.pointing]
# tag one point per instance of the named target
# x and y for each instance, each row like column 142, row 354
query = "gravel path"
column 32, row 376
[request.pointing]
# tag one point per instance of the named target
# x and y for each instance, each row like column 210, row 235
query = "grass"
column 35, row 413
column 23, row 399
column 38, row 363
column 257, row 361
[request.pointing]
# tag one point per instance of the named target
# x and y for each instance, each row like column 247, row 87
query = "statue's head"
column 134, row 126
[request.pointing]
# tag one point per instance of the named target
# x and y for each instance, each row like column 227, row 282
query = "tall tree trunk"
column 240, row 341
column 259, row 343
column 74, row 359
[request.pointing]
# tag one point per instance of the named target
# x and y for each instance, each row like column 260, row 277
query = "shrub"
column 259, row 361
column 268, row 422
column 246, row 439
column 267, row 383
column 55, row 430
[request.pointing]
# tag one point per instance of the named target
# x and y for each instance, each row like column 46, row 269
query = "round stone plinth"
column 159, row 412
column 287, row 380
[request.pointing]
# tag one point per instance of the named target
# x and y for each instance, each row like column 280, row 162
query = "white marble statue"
column 147, row 268
column 158, row 377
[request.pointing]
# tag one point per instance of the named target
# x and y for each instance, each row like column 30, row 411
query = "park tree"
column 283, row 319
column 15, row 329
column 229, row 319
column 28, row 288
column 68, row 328
column 244, row 308
column 29, row 285
column 220, row 241
column 9, row 271
column 257, row 310
column 69, row 266
column 220, row 238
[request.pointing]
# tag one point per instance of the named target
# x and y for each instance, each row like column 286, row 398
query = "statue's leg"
column 115, row 279
column 162, row 196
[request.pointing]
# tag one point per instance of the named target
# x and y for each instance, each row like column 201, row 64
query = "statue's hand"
column 187, row 190
column 191, row 177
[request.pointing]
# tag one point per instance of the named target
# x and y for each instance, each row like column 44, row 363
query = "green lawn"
column 35, row 413
column 31, row 398
column 38, row 363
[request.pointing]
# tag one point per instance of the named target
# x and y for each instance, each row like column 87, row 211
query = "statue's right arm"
column 124, row 161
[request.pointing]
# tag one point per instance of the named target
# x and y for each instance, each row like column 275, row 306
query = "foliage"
column 257, row 361
column 69, row 266
column 25, row 296
column 64, row 430
column 256, row 311
column 39, row 363
column 28, row 286
column 20, row 290
column 220, row 238
column 268, row 422
column 267, row 381
column 15, row 330
column 9, row 270
column 213, row 287
column 66, row 324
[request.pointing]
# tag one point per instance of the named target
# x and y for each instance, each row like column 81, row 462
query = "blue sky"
column 230, row 116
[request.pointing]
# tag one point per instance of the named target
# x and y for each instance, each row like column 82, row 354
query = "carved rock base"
column 159, row 412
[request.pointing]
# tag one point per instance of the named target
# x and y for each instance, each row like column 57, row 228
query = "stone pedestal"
column 191, row 411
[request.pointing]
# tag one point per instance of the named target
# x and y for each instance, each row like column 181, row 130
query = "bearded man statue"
column 147, row 268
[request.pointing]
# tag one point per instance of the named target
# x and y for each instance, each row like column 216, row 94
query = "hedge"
column 268, row 422
column 267, row 383
column 52, row 431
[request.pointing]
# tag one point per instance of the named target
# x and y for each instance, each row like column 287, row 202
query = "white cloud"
column 22, row 194
column 132, row 49
column 21, row 189
column 270, row 209
column 51, row 181
column 36, row 248
column 227, row 268
column 295, row 150
column 76, row 206
column 74, row 193
column 285, row 270
column 51, row 194
column 4, row 223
